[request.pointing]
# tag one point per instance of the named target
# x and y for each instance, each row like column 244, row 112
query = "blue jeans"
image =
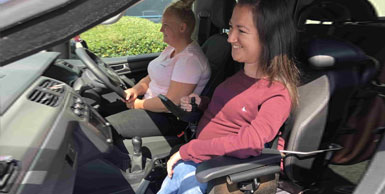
column 183, row 180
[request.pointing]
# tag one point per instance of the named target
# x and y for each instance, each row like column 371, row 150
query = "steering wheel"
column 102, row 71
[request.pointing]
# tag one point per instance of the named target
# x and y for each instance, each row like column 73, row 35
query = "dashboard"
column 46, row 128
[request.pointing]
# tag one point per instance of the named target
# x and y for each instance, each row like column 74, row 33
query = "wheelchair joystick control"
column 192, row 125
column 194, row 105
column 136, row 160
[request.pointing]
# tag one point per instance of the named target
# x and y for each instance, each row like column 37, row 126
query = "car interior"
column 54, row 137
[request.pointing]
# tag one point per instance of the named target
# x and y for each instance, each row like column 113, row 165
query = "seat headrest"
column 329, row 53
column 335, row 11
column 324, row 11
column 218, row 11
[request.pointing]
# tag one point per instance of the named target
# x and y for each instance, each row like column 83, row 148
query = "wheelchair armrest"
column 266, row 163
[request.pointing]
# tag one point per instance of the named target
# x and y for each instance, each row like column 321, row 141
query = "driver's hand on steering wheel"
column 136, row 104
column 130, row 105
column 131, row 95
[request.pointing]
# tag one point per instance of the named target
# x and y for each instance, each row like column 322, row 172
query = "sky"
column 380, row 7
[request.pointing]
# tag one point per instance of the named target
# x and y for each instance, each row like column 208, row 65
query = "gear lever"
column 136, row 162
column 137, row 144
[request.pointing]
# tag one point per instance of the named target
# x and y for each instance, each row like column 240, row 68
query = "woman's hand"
column 131, row 95
column 171, row 162
column 136, row 104
column 185, row 102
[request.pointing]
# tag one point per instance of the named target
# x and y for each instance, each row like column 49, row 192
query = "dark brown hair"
column 276, row 32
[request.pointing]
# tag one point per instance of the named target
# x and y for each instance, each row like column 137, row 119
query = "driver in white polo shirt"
column 181, row 69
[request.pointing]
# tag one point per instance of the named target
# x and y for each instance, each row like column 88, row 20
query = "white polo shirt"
column 189, row 66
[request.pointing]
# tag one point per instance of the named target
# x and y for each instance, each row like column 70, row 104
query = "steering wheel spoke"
column 102, row 71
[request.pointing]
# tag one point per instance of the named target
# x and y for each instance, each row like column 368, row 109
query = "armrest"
column 225, row 166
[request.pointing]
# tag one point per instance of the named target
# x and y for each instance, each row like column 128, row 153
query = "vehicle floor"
column 99, row 177
column 102, row 177
column 340, row 179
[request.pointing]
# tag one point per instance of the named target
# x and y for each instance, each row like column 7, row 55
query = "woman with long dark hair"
column 248, row 109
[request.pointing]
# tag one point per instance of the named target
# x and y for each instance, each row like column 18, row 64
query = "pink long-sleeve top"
column 243, row 115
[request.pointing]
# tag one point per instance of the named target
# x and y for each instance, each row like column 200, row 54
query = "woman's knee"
column 185, row 171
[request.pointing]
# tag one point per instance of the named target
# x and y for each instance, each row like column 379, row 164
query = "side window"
column 137, row 32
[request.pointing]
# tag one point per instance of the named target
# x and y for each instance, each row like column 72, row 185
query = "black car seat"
column 346, row 66
column 213, row 19
column 348, row 69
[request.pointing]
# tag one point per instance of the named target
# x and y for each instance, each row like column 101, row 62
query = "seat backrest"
column 213, row 19
column 347, row 68
column 218, row 52
column 306, row 126
column 333, row 75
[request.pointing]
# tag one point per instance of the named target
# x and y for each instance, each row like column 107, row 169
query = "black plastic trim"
column 224, row 166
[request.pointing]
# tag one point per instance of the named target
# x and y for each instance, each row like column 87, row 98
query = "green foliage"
column 129, row 36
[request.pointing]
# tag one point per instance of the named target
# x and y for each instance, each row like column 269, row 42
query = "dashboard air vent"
column 52, row 85
column 48, row 93
column 44, row 98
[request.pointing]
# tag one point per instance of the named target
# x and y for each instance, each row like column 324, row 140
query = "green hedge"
column 129, row 36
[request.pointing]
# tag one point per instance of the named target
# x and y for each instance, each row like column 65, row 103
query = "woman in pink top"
column 182, row 68
column 247, row 109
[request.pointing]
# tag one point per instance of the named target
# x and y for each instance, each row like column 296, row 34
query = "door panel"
column 133, row 67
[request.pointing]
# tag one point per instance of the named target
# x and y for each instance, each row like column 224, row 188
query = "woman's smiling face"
column 243, row 36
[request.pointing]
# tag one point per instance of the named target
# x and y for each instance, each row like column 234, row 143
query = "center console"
column 92, row 128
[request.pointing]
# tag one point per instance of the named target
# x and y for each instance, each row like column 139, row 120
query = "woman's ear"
column 182, row 27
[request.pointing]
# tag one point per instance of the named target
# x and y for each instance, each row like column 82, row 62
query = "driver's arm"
column 186, row 74
column 142, row 86
column 175, row 92
column 139, row 89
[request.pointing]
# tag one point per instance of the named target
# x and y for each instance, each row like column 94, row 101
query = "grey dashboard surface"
column 15, row 78
column 30, row 9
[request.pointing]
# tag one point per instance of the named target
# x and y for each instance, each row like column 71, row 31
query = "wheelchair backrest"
column 306, row 125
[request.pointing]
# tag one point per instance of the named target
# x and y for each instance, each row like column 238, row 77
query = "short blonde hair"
column 183, row 10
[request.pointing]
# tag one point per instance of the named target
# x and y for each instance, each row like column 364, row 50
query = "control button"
column 78, row 112
column 79, row 101
column 79, row 106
